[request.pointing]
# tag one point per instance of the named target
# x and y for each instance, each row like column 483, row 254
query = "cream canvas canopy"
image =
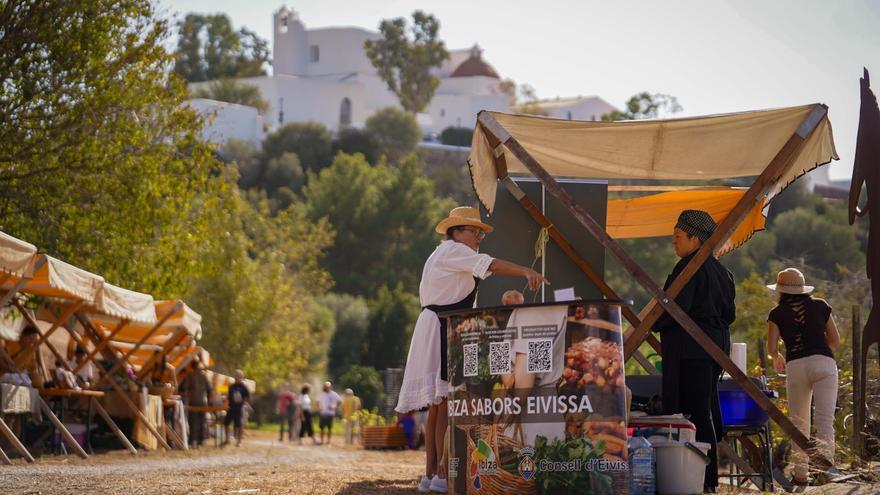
column 125, row 304
column 713, row 147
column 16, row 256
column 55, row 278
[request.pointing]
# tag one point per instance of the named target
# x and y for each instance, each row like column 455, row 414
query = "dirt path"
column 260, row 466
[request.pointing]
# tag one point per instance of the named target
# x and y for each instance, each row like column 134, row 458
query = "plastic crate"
column 738, row 408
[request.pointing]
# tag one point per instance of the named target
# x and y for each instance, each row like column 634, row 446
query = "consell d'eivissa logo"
column 526, row 467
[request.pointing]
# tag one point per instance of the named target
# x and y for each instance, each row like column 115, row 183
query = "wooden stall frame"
column 664, row 300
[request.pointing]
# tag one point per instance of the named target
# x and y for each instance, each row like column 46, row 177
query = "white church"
column 324, row 75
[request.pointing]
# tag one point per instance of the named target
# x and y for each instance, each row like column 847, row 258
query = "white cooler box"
column 672, row 427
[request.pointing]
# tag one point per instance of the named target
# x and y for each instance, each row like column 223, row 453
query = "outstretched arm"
column 503, row 267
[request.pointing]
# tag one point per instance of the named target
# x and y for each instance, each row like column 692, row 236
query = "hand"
column 535, row 279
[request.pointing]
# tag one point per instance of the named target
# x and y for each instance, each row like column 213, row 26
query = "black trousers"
column 196, row 427
column 698, row 399
column 306, row 428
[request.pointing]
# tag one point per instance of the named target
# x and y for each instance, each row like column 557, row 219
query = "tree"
column 231, row 91
column 100, row 163
column 349, row 342
column 644, row 105
column 246, row 157
column 352, row 140
column 457, row 136
column 310, row 141
column 393, row 315
column 383, row 218
column 821, row 239
column 404, row 61
column 259, row 304
column 366, row 384
column 209, row 48
column 396, row 132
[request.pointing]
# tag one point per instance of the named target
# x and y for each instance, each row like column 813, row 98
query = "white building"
column 324, row 75
column 580, row 108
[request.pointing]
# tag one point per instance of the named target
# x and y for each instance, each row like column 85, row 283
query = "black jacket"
column 708, row 298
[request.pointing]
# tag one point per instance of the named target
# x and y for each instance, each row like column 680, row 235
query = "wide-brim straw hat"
column 462, row 216
column 791, row 281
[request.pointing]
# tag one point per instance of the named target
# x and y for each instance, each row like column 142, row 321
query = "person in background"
column 64, row 378
column 195, row 390
column 351, row 404
column 807, row 328
column 286, row 407
column 33, row 362
column 236, row 398
column 86, row 374
column 690, row 375
column 408, row 423
column 328, row 402
column 306, row 407
column 512, row 298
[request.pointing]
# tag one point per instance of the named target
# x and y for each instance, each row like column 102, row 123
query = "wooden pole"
column 3, row 456
column 122, row 394
column 566, row 247
column 730, row 223
column 10, row 435
column 109, row 421
column 169, row 344
column 101, row 342
column 138, row 414
column 21, row 283
column 491, row 126
column 859, row 383
column 140, row 342
column 68, row 438
column 68, row 311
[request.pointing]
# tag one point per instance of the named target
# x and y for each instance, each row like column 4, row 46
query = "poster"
column 537, row 400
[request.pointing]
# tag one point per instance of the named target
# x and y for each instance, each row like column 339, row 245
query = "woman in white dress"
column 449, row 281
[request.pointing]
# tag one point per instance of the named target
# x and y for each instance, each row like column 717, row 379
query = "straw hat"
column 791, row 281
column 462, row 215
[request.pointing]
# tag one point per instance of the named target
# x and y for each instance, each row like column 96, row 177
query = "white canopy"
column 713, row 147
column 56, row 278
column 125, row 304
column 16, row 256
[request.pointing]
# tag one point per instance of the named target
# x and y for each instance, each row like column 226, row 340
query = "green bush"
column 457, row 136
column 366, row 384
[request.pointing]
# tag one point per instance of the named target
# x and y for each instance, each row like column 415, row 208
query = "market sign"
column 537, row 400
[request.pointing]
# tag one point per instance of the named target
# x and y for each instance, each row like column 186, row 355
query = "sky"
column 713, row 56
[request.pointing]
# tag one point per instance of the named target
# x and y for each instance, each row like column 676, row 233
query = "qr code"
column 540, row 356
column 499, row 358
column 470, row 359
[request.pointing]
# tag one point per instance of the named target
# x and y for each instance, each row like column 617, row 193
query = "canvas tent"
column 775, row 146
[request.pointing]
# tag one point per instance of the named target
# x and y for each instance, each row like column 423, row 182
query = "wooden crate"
column 383, row 437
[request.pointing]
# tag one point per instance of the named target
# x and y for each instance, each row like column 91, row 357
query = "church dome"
column 475, row 66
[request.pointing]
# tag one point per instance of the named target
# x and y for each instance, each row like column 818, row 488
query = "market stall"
column 775, row 146
column 69, row 288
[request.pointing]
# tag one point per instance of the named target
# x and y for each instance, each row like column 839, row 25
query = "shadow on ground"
column 383, row 487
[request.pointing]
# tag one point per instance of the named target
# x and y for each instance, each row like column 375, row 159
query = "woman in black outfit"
column 690, row 375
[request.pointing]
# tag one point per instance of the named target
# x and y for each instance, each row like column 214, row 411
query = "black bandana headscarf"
column 696, row 222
